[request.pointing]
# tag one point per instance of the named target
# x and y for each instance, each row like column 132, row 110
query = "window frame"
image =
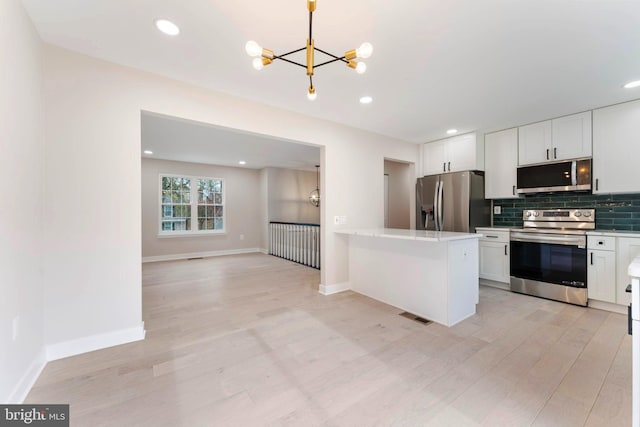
column 194, row 207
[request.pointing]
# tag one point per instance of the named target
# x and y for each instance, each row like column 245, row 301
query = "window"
column 191, row 205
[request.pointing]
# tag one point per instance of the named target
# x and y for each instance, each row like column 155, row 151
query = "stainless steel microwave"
column 570, row 175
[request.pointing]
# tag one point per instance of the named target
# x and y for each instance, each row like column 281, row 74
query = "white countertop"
column 497, row 228
column 634, row 267
column 614, row 233
column 396, row 233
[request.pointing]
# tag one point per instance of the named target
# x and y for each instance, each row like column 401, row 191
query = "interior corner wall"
column 288, row 193
column 242, row 220
column 93, row 218
column 21, row 171
column 400, row 188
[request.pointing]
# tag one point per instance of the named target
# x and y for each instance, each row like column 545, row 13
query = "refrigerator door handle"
column 441, row 220
column 436, row 205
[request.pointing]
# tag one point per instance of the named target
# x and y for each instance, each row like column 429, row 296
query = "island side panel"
column 464, row 282
column 408, row 274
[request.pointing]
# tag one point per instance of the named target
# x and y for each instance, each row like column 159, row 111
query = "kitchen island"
column 431, row 274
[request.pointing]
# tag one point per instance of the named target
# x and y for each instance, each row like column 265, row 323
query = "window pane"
column 217, row 185
column 217, row 198
column 202, row 213
column 185, row 197
column 166, row 183
column 218, row 224
column 209, row 224
column 166, row 211
column 166, row 197
column 218, row 211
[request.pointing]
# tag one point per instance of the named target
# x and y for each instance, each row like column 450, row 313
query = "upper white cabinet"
column 616, row 148
column 563, row 138
column 501, row 164
column 534, row 143
column 459, row 153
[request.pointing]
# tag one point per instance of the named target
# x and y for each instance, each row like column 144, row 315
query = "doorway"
column 398, row 187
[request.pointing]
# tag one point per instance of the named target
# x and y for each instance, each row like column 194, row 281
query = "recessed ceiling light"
column 148, row 152
column 242, row 162
column 167, row 27
column 632, row 84
column 366, row 100
column 452, row 131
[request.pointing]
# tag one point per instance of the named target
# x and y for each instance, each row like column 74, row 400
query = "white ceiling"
column 172, row 138
column 437, row 64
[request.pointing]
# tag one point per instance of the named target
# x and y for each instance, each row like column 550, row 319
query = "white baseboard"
column 264, row 251
column 174, row 257
column 94, row 342
column 29, row 378
column 607, row 306
column 334, row 289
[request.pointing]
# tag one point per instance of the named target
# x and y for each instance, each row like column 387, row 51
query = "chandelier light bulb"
column 253, row 49
column 257, row 64
column 361, row 67
column 311, row 94
column 365, row 50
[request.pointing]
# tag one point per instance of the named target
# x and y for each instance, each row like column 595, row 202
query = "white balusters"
column 296, row 242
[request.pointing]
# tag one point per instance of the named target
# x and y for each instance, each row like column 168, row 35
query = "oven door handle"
column 579, row 241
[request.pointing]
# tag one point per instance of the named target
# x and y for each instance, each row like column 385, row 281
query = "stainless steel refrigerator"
column 452, row 202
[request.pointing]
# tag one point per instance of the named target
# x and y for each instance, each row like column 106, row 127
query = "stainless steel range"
column 549, row 254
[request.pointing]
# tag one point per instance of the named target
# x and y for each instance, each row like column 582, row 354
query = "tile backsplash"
column 613, row 211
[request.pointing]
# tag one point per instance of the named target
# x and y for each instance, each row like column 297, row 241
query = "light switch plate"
column 497, row 210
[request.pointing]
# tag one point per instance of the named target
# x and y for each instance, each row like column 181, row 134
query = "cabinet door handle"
column 555, row 151
column 547, row 154
column 591, row 258
column 449, row 165
column 444, row 167
column 492, row 237
column 513, row 190
column 505, row 250
column 597, row 184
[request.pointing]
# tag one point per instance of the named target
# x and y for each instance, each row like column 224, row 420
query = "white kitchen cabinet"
column 494, row 255
column 563, row 138
column 571, row 136
column 459, row 153
column 601, row 268
column 616, row 148
column 501, row 164
column 534, row 143
column 627, row 249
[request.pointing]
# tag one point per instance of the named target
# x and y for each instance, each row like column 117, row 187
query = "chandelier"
column 264, row 57
column 314, row 196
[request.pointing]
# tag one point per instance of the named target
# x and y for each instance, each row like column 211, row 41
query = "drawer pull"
column 492, row 237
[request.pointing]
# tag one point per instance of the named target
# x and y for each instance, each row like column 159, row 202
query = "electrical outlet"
column 497, row 210
column 14, row 328
column 336, row 220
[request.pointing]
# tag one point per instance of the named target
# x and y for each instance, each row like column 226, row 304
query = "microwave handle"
column 574, row 173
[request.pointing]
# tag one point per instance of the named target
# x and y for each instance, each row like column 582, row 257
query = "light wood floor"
column 247, row 341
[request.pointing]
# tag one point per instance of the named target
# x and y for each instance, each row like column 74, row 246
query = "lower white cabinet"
column 494, row 255
column 627, row 249
column 601, row 269
column 609, row 257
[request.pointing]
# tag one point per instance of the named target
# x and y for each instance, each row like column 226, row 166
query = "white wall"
column 93, row 130
column 242, row 198
column 288, row 193
column 21, row 172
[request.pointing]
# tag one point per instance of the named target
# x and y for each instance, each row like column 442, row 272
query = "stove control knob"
column 536, row 213
column 578, row 214
column 587, row 214
column 528, row 214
